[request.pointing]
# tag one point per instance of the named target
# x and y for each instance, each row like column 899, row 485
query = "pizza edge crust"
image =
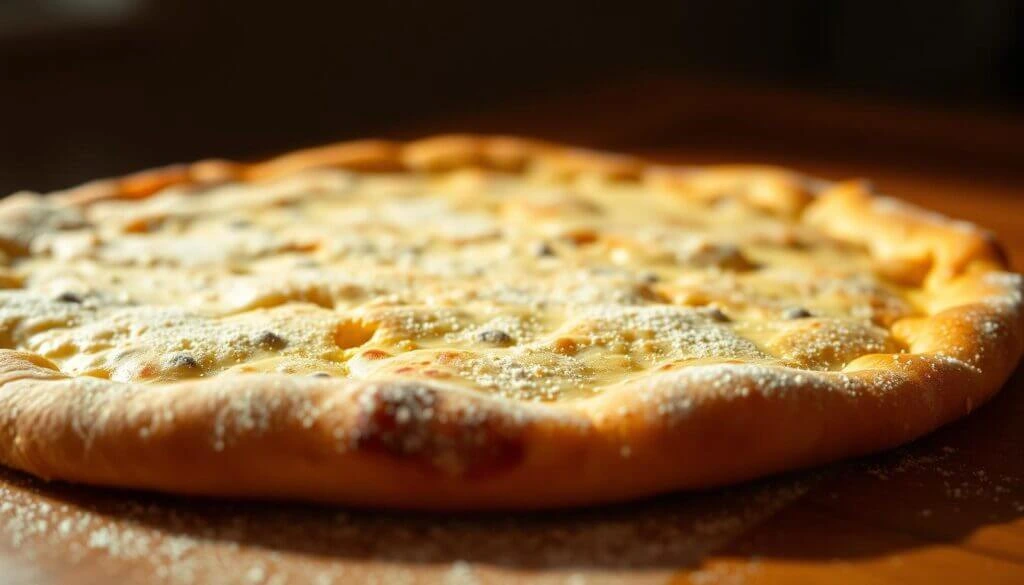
column 427, row 445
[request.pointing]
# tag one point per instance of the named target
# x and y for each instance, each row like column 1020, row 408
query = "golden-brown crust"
column 428, row 445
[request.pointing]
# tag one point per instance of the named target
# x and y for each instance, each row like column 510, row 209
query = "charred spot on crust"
column 69, row 297
column 494, row 337
column 320, row 375
column 723, row 256
column 650, row 277
column 716, row 314
column 796, row 313
column 411, row 421
column 271, row 340
column 646, row 292
column 543, row 250
column 183, row 361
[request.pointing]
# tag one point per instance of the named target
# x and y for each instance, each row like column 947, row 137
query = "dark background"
column 91, row 88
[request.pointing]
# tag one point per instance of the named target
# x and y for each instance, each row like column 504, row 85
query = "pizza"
column 482, row 322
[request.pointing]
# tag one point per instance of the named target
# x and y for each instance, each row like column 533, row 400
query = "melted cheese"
column 534, row 289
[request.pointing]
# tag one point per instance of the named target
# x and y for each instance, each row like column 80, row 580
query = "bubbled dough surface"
column 529, row 288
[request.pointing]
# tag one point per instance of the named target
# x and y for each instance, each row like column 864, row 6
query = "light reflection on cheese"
column 525, row 287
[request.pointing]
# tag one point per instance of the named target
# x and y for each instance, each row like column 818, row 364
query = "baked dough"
column 482, row 322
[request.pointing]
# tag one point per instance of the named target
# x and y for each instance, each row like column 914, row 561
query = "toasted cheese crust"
column 483, row 311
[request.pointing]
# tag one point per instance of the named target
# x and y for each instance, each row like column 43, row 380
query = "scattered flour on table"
column 207, row 542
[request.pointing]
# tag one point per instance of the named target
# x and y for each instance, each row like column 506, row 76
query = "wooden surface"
column 948, row 508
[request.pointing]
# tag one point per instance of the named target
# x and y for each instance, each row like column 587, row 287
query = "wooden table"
column 948, row 508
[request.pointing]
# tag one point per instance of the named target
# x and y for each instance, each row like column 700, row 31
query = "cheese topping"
column 532, row 288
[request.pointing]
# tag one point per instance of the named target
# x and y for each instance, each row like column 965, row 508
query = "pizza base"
column 430, row 445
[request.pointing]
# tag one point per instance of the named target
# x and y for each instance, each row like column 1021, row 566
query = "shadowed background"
column 92, row 88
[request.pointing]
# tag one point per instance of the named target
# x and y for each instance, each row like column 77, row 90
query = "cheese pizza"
column 482, row 322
